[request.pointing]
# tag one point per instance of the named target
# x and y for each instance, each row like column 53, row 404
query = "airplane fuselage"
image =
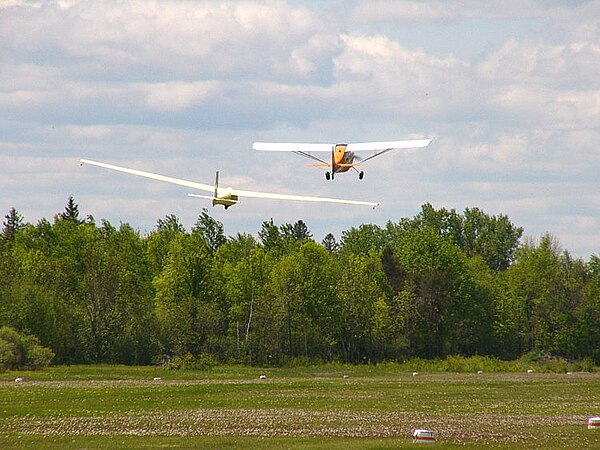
column 341, row 160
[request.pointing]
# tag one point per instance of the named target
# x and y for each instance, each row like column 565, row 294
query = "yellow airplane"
column 342, row 155
column 224, row 196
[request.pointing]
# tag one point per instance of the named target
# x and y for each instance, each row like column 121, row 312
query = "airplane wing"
column 226, row 191
column 389, row 145
column 379, row 148
column 359, row 147
column 291, row 147
column 300, row 149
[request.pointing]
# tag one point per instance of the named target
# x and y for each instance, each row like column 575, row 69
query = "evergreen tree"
column 12, row 225
column 71, row 211
column 300, row 231
column 330, row 243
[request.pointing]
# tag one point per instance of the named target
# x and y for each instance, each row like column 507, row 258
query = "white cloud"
column 93, row 132
column 378, row 75
column 387, row 11
column 166, row 39
column 177, row 95
column 541, row 63
column 184, row 87
column 24, row 98
column 440, row 11
column 581, row 109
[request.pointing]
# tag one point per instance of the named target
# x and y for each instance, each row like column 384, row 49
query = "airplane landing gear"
column 361, row 174
column 327, row 176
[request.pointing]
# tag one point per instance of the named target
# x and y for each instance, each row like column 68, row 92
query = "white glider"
column 224, row 196
column 342, row 155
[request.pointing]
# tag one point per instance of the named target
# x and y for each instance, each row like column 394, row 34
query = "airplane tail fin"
column 216, row 183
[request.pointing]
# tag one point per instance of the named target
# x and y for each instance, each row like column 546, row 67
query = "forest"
column 438, row 284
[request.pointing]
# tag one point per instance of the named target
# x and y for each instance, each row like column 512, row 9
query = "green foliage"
column 441, row 316
column 210, row 230
column 296, row 362
column 269, row 235
column 436, row 285
column 19, row 351
column 364, row 240
column 546, row 304
column 302, row 289
column 38, row 356
column 493, row 238
column 365, row 326
column 205, row 361
column 487, row 364
column 187, row 316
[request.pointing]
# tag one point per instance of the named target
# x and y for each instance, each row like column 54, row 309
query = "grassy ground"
column 325, row 406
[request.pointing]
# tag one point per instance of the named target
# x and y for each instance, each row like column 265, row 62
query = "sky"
column 509, row 91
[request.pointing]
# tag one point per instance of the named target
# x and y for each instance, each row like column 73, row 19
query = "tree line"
column 437, row 284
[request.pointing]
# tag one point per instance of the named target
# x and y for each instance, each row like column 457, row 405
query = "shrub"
column 38, row 356
column 8, row 352
column 301, row 361
column 188, row 361
column 19, row 351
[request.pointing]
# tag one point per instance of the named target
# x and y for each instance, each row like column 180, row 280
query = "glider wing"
column 226, row 191
column 154, row 176
column 303, row 198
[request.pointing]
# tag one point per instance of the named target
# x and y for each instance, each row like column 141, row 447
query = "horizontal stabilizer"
column 210, row 197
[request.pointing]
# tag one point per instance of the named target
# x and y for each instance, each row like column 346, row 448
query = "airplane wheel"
column 327, row 176
column 361, row 174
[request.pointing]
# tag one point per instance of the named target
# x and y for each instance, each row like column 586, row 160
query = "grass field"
column 324, row 406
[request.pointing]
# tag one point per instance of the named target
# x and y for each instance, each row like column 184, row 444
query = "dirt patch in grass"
column 295, row 423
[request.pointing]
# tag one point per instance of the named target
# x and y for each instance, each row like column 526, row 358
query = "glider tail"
column 215, row 196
